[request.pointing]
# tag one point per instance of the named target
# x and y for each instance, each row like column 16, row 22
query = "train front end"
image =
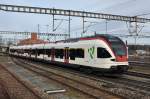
column 120, row 51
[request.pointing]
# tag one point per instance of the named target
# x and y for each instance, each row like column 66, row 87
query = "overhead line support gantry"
column 53, row 11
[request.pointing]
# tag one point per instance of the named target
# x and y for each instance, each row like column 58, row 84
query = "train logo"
column 91, row 52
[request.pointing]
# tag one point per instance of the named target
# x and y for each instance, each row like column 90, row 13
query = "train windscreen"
column 117, row 46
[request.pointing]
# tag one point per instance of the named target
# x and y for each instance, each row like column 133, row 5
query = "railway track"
column 19, row 87
column 124, row 80
column 3, row 92
column 136, row 63
column 140, row 69
column 108, row 84
column 143, row 87
column 75, row 84
column 137, row 74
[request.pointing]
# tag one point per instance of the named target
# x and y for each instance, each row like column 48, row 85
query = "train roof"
column 48, row 45
column 107, row 36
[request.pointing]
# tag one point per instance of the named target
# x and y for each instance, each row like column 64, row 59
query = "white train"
column 103, row 53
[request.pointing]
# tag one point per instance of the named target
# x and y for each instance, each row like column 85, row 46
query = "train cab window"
column 102, row 53
column 80, row 53
column 72, row 54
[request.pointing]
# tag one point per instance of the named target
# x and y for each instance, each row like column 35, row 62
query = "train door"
column 30, row 52
column 52, row 54
column 66, row 54
column 36, row 53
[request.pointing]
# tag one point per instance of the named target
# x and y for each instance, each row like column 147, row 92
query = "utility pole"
column 47, row 28
column 136, row 32
column 83, row 28
column 106, row 26
column 136, row 26
column 61, row 20
column 53, row 27
column 69, row 25
column 38, row 28
column 53, row 23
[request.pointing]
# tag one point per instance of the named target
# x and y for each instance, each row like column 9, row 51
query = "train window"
column 102, row 53
column 48, row 52
column 20, row 51
column 118, row 48
column 12, row 50
column 33, row 52
column 72, row 54
column 36, row 52
column 80, row 53
column 40, row 51
column 59, row 53
column 26, row 51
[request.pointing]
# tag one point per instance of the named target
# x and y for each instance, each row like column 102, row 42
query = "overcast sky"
column 28, row 22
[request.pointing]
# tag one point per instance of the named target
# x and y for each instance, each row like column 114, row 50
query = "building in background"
column 33, row 40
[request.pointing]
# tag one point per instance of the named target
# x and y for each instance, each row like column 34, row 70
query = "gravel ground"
column 15, row 90
column 115, row 88
column 140, row 69
column 42, row 83
column 139, row 58
column 3, row 93
column 11, row 89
